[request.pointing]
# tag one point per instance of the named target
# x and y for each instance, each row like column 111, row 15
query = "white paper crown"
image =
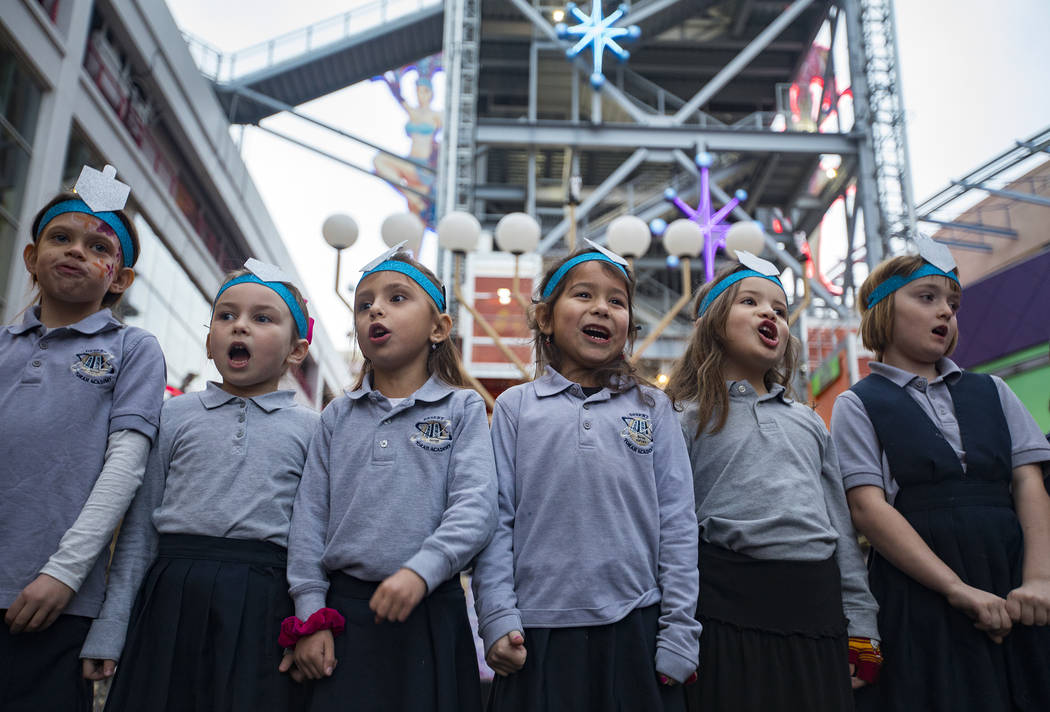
column 384, row 257
column 267, row 272
column 608, row 253
column 101, row 190
column 935, row 253
column 757, row 264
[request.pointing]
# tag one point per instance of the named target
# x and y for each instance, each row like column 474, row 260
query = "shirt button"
column 586, row 425
column 240, row 418
column 43, row 344
column 386, row 422
column 36, row 363
column 742, row 388
column 240, row 433
column 382, row 443
column 586, row 406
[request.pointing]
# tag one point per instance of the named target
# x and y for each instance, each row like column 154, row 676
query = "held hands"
column 397, row 595
column 38, row 605
column 314, row 656
column 988, row 611
column 507, row 655
column 1029, row 604
column 95, row 669
column 288, row 665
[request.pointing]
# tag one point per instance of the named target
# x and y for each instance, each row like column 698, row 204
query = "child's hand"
column 288, row 665
column 397, row 596
column 1029, row 604
column 988, row 611
column 38, row 605
column 315, row 655
column 507, row 655
column 95, row 669
column 855, row 682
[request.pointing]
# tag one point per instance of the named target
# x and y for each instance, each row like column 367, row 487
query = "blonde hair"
column 299, row 301
column 876, row 323
column 616, row 375
column 699, row 374
column 444, row 358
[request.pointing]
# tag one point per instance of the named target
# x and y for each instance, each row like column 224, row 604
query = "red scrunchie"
column 292, row 629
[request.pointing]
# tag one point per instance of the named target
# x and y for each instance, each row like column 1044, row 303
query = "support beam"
column 614, row 179
column 1011, row 194
column 561, row 134
column 753, row 49
column 974, row 227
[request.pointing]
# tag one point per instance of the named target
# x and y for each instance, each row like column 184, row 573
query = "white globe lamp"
column 402, row 227
column 458, row 231
column 683, row 238
column 629, row 236
column 339, row 231
column 517, row 233
column 746, row 235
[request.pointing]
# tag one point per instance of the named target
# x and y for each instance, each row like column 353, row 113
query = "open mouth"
column 378, row 332
column 769, row 333
column 239, row 355
column 596, row 333
column 941, row 331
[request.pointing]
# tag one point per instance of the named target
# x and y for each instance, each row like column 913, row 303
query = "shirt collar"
column 213, row 396
column 102, row 320
column 430, row 392
column 551, row 383
column 743, row 389
column 949, row 371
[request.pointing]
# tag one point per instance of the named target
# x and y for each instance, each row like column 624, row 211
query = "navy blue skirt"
column 425, row 664
column 935, row 659
column 590, row 669
column 203, row 632
column 774, row 636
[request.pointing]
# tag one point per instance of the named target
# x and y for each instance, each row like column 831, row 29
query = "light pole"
column 517, row 233
column 340, row 231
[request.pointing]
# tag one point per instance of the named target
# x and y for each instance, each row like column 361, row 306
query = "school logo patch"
column 638, row 433
column 434, row 433
column 94, row 367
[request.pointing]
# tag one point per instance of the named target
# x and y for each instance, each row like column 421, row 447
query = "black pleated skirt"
column 203, row 632
column 426, row 664
column 42, row 671
column 774, row 636
column 607, row 668
column 935, row 660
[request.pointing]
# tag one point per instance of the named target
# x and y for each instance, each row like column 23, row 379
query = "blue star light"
column 597, row 31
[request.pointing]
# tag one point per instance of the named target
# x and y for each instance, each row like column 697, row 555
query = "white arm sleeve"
column 122, row 470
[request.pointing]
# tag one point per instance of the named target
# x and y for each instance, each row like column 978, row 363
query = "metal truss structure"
column 725, row 77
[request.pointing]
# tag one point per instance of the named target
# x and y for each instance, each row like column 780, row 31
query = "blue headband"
column 415, row 275
column 729, row 282
column 897, row 281
column 301, row 324
column 585, row 257
column 127, row 247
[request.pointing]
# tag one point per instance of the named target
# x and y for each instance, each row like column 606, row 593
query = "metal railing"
column 227, row 67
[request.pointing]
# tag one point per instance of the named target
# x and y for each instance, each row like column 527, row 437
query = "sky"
column 972, row 74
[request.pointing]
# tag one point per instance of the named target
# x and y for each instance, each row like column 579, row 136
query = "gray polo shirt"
column 768, row 486
column 596, row 516
column 861, row 458
column 389, row 486
column 223, row 466
column 62, row 393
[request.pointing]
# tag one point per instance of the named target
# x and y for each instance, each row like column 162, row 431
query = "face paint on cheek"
column 104, row 269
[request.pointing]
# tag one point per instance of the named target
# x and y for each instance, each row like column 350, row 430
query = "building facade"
column 111, row 81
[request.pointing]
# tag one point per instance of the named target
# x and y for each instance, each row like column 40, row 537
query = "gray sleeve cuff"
column 499, row 627
column 675, row 666
column 863, row 623
column 105, row 640
column 133, row 422
column 309, row 601
column 1031, row 457
column 859, row 479
column 431, row 566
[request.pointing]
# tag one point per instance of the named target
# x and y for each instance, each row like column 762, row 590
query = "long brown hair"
column 444, row 358
column 111, row 298
column 616, row 375
column 699, row 374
